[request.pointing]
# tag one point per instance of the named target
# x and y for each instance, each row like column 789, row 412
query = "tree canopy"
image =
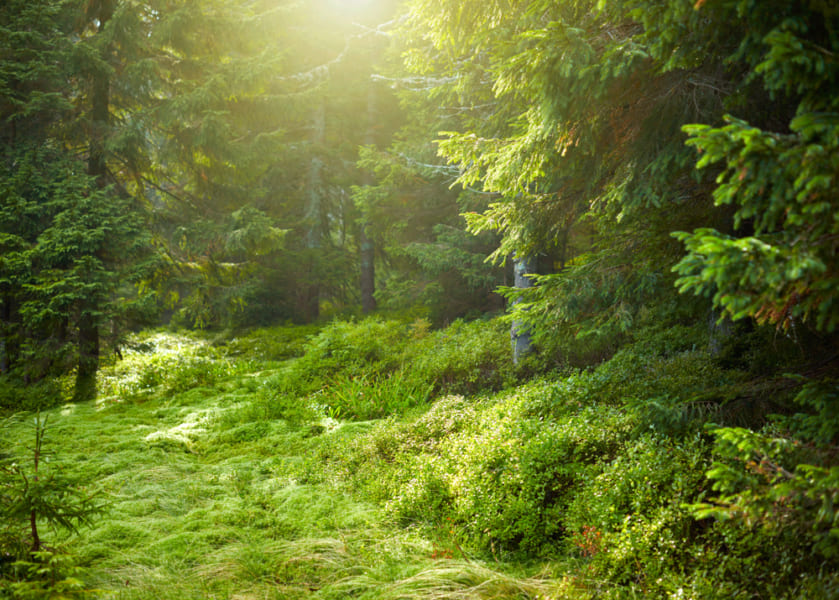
column 225, row 164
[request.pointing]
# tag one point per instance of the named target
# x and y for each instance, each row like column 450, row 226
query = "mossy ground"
column 207, row 500
column 379, row 459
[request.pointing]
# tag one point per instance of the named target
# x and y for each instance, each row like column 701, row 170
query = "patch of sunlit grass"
column 213, row 490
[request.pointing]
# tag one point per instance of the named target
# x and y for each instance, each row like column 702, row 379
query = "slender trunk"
column 521, row 338
column 5, row 327
column 367, row 250
column 33, row 515
column 368, row 271
column 88, row 346
column 85, row 388
column 310, row 294
column 33, row 527
column 99, row 119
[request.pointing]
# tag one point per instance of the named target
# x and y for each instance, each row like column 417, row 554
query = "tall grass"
column 209, row 489
column 330, row 465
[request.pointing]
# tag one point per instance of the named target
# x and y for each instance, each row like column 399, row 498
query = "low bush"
column 630, row 519
column 269, row 343
column 464, row 358
column 38, row 497
column 372, row 345
column 15, row 395
column 373, row 368
column 365, row 397
column 499, row 478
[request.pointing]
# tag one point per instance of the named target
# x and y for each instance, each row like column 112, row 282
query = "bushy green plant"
column 34, row 494
column 37, row 493
column 776, row 484
column 167, row 363
column 634, row 374
column 370, row 345
column 374, row 367
column 372, row 397
column 463, row 358
column 45, row 575
column 630, row 519
column 270, row 343
column 16, row 395
column 504, row 478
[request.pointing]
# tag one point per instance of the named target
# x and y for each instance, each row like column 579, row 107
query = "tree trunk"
column 521, row 339
column 88, row 346
column 96, row 166
column 85, row 388
column 367, row 250
column 310, row 292
column 368, row 271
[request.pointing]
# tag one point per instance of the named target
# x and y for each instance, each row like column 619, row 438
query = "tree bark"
column 310, row 292
column 88, row 325
column 85, row 388
column 367, row 250
column 520, row 336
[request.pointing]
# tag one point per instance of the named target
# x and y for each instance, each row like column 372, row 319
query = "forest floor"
column 205, row 499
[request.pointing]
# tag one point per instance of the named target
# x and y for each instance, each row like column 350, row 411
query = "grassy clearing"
column 381, row 460
column 206, row 499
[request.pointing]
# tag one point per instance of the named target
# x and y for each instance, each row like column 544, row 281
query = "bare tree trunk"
column 367, row 250
column 521, row 339
column 310, row 294
column 88, row 324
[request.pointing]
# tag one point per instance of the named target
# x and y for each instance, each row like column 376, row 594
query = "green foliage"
column 763, row 482
column 629, row 519
column 374, row 397
column 780, row 266
column 46, row 575
column 270, row 343
column 15, row 396
column 371, row 344
column 820, row 421
column 82, row 250
column 592, row 483
column 372, row 367
column 162, row 364
column 31, row 496
column 463, row 358
column 491, row 477
column 38, row 493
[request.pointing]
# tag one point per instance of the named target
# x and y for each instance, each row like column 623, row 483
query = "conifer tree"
column 68, row 236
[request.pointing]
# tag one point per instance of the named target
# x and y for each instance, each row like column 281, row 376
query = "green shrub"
column 373, row 367
column 16, row 395
column 270, row 343
column 167, row 363
column 464, row 358
column 45, row 574
column 365, row 397
column 630, row 519
column 777, row 485
column 36, row 495
column 500, row 478
column 370, row 345
column 633, row 373
column 515, row 479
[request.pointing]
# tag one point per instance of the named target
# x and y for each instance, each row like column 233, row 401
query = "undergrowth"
column 382, row 459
